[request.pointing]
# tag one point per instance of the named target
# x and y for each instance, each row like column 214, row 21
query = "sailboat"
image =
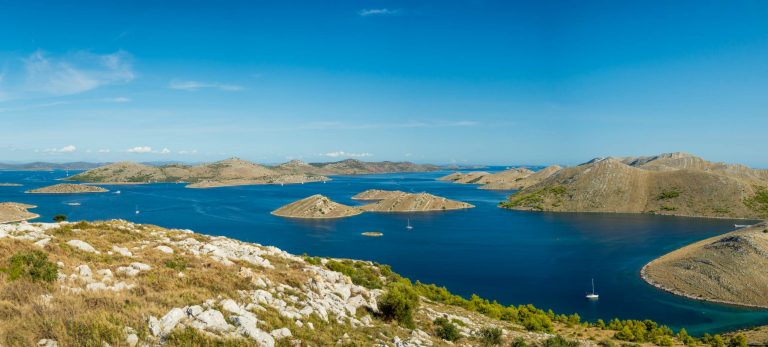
column 593, row 296
column 409, row 227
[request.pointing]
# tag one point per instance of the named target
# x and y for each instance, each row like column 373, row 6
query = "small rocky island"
column 728, row 268
column 15, row 212
column 515, row 178
column 68, row 188
column 10, row 185
column 317, row 207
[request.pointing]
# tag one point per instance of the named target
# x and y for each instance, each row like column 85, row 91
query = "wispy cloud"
column 187, row 151
column 104, row 150
column 197, row 85
column 65, row 149
column 342, row 154
column 147, row 149
column 73, row 73
column 378, row 12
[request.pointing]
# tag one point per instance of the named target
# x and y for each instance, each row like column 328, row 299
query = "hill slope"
column 352, row 167
column 133, row 284
column 227, row 172
column 516, row 178
column 676, row 184
column 397, row 201
column 729, row 268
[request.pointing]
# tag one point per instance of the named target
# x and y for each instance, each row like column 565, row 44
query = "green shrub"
column 446, row 330
column 606, row 343
column 178, row 264
column 518, row 342
column 668, row 194
column 759, row 201
column 363, row 274
column 32, row 265
column 738, row 340
column 559, row 341
column 399, row 303
column 59, row 218
column 713, row 340
column 490, row 336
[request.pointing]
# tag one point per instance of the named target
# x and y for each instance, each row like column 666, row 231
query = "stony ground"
column 123, row 284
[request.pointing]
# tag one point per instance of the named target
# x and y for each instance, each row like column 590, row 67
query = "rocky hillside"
column 675, row 184
column 317, row 207
column 67, row 188
column 729, row 268
column 229, row 172
column 122, row 284
column 397, row 201
column 15, row 212
column 352, row 167
column 516, row 178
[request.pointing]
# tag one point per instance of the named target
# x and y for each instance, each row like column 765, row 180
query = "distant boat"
column 73, row 203
column 409, row 226
column 593, row 296
column 741, row 226
column 117, row 192
column 137, row 209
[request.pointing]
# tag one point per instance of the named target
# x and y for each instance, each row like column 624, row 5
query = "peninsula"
column 671, row 184
column 15, row 212
column 352, row 167
column 68, row 188
column 728, row 268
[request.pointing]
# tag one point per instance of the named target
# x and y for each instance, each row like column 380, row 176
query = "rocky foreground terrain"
column 122, row 284
column 674, row 184
column 67, row 188
column 229, row 172
column 728, row 268
column 515, row 178
column 15, row 212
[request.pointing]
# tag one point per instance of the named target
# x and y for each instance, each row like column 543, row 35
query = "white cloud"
column 65, row 149
column 378, row 12
column 165, row 151
column 191, row 86
column 343, row 154
column 73, row 73
column 140, row 149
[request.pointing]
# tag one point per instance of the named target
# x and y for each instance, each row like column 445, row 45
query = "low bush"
column 559, row 341
column 32, row 265
column 446, row 330
column 490, row 336
column 59, row 218
column 399, row 303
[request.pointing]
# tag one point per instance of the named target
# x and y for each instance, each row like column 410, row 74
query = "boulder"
column 82, row 245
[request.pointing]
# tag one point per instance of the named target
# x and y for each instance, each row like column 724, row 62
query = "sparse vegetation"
column 535, row 200
column 363, row 274
column 490, row 336
column 759, row 201
column 31, row 265
column 399, row 303
column 559, row 341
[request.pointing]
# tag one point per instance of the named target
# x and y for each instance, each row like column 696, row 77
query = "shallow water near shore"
column 546, row 259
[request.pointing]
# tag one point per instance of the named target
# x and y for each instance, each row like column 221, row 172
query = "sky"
column 467, row 82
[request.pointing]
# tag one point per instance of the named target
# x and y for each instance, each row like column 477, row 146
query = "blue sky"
column 493, row 82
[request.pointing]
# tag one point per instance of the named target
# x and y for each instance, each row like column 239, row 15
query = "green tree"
column 738, row 340
column 59, row 218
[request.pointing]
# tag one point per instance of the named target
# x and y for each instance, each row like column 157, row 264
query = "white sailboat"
column 593, row 295
column 409, row 226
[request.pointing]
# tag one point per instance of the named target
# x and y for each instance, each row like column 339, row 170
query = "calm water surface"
column 514, row 257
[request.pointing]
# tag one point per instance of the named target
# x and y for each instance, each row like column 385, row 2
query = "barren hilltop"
column 352, row 167
column 673, row 183
column 227, row 172
column 318, row 207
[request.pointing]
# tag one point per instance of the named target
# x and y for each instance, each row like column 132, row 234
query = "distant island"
column 10, row 185
column 237, row 172
column 67, row 188
column 320, row 207
column 728, row 268
column 15, row 212
column 670, row 184
column 45, row 166
column 510, row 179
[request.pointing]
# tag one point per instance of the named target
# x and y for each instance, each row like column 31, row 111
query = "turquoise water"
column 546, row 259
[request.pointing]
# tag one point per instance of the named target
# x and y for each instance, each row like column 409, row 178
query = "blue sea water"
column 514, row 257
